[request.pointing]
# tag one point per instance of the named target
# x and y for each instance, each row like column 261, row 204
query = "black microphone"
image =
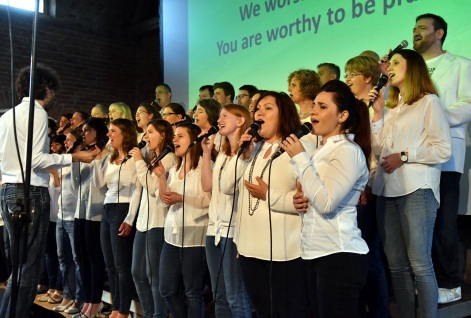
column 100, row 144
column 380, row 84
column 168, row 149
column 303, row 130
column 254, row 128
column 140, row 145
column 401, row 46
column 211, row 131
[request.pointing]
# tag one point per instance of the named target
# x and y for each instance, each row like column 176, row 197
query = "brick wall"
column 97, row 50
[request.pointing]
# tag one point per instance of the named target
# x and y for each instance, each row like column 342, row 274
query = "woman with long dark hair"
column 151, row 219
column 332, row 179
column 88, row 215
column 116, row 231
column 185, row 226
column 268, row 225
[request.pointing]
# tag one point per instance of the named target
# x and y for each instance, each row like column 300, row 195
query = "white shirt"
column 220, row 207
column 121, row 182
column 252, row 233
column 194, row 224
column 420, row 129
column 151, row 214
column 91, row 198
column 67, row 197
column 332, row 180
column 42, row 161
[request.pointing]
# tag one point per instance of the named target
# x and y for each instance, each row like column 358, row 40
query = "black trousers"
column 448, row 253
column 334, row 283
column 288, row 296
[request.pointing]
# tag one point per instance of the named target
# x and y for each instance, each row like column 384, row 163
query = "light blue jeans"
column 68, row 263
column 230, row 284
column 405, row 225
column 145, row 271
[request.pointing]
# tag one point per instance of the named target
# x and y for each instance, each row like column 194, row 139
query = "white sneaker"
column 446, row 296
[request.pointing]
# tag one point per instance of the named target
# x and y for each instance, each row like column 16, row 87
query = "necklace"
column 305, row 114
column 252, row 165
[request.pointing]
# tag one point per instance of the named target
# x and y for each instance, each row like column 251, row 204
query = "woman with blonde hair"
column 411, row 141
column 119, row 110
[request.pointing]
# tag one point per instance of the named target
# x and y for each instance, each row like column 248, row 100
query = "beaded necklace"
column 252, row 210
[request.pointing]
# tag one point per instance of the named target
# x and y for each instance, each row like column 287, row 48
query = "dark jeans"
column 335, row 282
column 145, row 271
column 213, row 258
column 374, row 294
column 37, row 232
column 117, row 252
column 288, row 287
column 186, row 263
column 52, row 260
column 448, row 253
column 90, row 258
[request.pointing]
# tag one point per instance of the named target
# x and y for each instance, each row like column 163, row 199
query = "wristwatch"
column 404, row 157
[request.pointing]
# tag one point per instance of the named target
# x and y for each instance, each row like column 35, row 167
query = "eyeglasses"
column 351, row 75
column 140, row 112
column 168, row 114
column 242, row 96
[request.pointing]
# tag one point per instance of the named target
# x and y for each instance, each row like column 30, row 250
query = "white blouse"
column 91, row 198
column 252, row 232
column 151, row 215
column 67, row 197
column 121, row 182
column 332, row 180
column 187, row 222
column 420, row 129
column 220, row 207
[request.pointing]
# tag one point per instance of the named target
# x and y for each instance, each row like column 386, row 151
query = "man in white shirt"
column 12, row 190
column 451, row 75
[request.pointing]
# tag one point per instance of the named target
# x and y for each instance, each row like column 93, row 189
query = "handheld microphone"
column 211, row 131
column 254, row 128
column 168, row 149
column 303, row 130
column 379, row 85
column 401, row 46
column 100, row 144
column 140, row 145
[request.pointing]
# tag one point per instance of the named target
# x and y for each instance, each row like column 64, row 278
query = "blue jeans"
column 145, row 271
column 231, row 285
column 188, row 263
column 117, row 252
column 68, row 263
column 213, row 258
column 37, row 232
column 406, row 229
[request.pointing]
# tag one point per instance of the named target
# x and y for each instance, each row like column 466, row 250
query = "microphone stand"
column 23, row 217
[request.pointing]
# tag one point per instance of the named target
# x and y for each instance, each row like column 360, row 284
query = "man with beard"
column 12, row 198
column 451, row 75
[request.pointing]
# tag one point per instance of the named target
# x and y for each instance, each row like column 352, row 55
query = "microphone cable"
column 229, row 226
column 271, row 239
